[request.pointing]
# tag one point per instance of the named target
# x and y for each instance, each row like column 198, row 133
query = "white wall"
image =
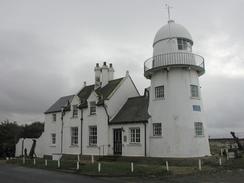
column 120, row 96
column 100, row 120
column 128, row 148
column 177, row 116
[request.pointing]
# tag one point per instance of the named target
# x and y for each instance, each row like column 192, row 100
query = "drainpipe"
column 81, row 130
column 145, row 139
column 62, row 130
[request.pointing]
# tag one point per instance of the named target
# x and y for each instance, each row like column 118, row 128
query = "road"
column 17, row 174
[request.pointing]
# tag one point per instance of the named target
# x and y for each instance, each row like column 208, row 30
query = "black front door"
column 117, row 141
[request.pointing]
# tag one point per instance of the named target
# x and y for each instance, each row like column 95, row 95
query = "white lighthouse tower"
column 177, row 124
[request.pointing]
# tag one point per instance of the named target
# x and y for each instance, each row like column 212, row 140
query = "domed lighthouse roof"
column 172, row 30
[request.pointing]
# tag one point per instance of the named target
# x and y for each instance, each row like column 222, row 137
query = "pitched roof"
column 62, row 102
column 105, row 91
column 134, row 110
column 84, row 94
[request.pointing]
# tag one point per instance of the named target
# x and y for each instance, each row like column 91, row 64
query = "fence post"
column 200, row 164
column 167, row 166
column 92, row 159
column 221, row 152
column 99, row 167
column 23, row 160
column 220, row 161
column 132, row 167
column 58, row 163
column 77, row 165
column 78, row 157
column 45, row 162
column 34, row 161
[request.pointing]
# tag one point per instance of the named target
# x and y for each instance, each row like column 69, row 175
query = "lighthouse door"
column 118, row 141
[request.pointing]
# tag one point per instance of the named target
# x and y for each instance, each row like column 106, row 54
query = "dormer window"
column 92, row 108
column 184, row 44
column 75, row 111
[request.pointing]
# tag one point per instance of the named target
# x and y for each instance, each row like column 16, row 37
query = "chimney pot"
column 110, row 65
column 104, row 63
column 97, row 64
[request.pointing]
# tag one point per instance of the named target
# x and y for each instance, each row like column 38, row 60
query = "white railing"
column 174, row 59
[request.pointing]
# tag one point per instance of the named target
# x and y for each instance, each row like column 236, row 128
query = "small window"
column 75, row 111
column 92, row 135
column 54, row 117
column 74, row 135
column 135, row 135
column 184, row 44
column 198, row 128
column 157, row 129
column 196, row 108
column 159, row 92
column 53, row 138
column 194, row 91
column 92, row 108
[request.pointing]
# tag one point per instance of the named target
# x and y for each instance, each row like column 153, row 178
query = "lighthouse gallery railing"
column 174, row 59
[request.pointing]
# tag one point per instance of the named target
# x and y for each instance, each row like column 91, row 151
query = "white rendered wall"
column 125, row 90
column 100, row 120
column 69, row 122
column 128, row 148
column 177, row 116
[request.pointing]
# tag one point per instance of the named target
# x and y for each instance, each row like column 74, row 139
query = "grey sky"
column 49, row 47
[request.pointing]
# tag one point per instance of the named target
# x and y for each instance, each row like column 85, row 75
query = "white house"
column 110, row 117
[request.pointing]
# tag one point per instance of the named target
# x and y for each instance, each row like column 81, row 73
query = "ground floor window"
column 135, row 135
column 199, row 129
column 92, row 135
column 53, row 138
column 74, row 135
column 157, row 129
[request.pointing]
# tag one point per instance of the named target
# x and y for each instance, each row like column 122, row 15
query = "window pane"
column 92, row 107
column 198, row 128
column 194, row 91
column 135, row 135
column 159, row 92
column 196, row 108
column 74, row 135
column 157, row 129
column 93, row 135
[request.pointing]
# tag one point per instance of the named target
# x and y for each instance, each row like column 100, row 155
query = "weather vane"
column 168, row 7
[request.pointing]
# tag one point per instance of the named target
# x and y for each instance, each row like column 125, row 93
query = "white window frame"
column 54, row 117
column 53, row 138
column 92, row 138
column 75, row 111
column 157, row 129
column 74, row 135
column 135, row 135
column 92, row 107
column 159, row 92
column 199, row 129
column 194, row 91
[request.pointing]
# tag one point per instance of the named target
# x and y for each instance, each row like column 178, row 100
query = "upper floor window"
column 194, row 91
column 159, row 92
column 196, row 108
column 157, row 129
column 74, row 135
column 53, row 138
column 92, row 107
column 54, row 117
column 135, row 135
column 75, row 111
column 92, row 135
column 184, row 44
column 198, row 128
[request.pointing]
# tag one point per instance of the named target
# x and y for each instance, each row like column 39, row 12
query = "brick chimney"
column 97, row 70
column 105, row 74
